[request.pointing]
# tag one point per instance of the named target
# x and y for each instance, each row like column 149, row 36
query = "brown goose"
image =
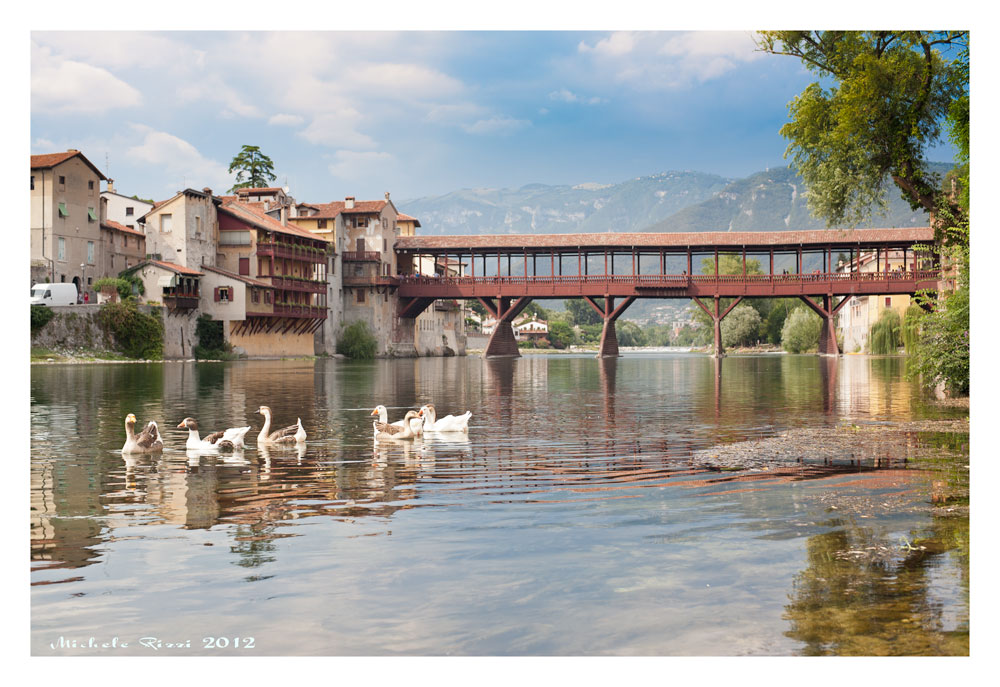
column 386, row 431
column 293, row 434
column 147, row 441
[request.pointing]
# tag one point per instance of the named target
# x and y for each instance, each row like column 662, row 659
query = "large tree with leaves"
column 253, row 168
column 882, row 100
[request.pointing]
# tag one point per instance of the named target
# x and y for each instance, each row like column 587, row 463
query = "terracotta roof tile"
column 239, row 277
column 49, row 160
column 121, row 227
column 173, row 267
column 258, row 218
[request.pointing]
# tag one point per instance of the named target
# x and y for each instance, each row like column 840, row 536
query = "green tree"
column 741, row 327
column 629, row 333
column 886, row 335
column 581, row 313
column 254, row 168
column 357, row 341
column 561, row 335
column 888, row 96
column 801, row 330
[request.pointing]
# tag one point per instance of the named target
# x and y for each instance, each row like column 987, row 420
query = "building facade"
column 855, row 319
column 124, row 210
column 66, row 236
column 183, row 229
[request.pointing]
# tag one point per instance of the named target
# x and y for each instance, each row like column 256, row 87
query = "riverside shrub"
column 800, row 331
column 211, row 340
column 135, row 333
column 357, row 342
column 40, row 316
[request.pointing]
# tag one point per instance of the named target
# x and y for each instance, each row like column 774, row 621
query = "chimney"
column 111, row 185
column 349, row 202
column 387, row 195
column 207, row 191
column 72, row 150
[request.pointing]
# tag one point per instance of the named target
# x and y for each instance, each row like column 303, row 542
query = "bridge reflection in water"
column 506, row 272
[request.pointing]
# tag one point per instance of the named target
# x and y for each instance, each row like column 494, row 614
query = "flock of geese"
column 414, row 424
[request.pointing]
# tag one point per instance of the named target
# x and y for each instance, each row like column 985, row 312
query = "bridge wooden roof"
column 700, row 240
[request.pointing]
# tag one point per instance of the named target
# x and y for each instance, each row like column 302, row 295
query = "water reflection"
column 564, row 442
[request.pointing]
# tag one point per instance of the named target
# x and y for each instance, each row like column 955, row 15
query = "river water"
column 576, row 518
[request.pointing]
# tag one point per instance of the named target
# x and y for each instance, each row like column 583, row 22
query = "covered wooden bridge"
column 506, row 272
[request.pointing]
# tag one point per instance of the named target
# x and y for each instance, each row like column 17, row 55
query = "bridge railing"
column 674, row 280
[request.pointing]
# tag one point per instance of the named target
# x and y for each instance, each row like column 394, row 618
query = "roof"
column 269, row 189
column 49, row 160
column 708, row 239
column 179, row 269
column 259, row 219
column 109, row 224
column 331, row 210
column 406, row 218
column 239, row 277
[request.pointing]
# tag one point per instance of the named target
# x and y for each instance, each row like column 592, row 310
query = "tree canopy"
column 254, row 168
column 884, row 99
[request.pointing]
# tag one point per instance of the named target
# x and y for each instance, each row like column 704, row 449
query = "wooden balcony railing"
column 296, row 284
column 370, row 280
column 291, row 251
column 361, row 256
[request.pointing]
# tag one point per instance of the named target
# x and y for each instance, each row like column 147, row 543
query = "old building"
column 124, row 210
column 289, row 260
column 65, row 220
column 179, row 290
column 183, row 229
column 125, row 247
column 856, row 318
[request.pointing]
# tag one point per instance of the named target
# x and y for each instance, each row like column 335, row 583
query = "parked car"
column 53, row 294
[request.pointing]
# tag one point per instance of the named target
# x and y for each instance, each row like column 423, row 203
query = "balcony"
column 180, row 301
column 370, row 280
column 361, row 256
column 315, row 312
column 296, row 284
column 290, row 251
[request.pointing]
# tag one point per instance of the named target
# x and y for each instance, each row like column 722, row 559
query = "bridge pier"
column 502, row 343
column 717, row 318
column 828, row 332
column 610, row 314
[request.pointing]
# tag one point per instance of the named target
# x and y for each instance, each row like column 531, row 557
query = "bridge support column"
column 502, row 343
column 717, row 318
column 610, row 314
column 828, row 332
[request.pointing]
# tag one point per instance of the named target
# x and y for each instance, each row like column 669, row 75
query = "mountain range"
column 774, row 199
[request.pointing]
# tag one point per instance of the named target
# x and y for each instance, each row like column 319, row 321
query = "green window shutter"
column 62, row 210
column 92, row 214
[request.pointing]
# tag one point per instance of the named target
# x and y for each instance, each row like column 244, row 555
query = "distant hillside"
column 671, row 201
column 776, row 200
column 539, row 209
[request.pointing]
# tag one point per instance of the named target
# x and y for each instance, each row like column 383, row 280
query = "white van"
column 53, row 294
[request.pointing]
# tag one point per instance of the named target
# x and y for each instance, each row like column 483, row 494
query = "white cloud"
column 454, row 113
column 285, row 120
column 66, row 86
column 666, row 60
column 337, row 129
column 40, row 146
column 355, row 165
column 183, row 164
column 567, row 96
column 122, row 49
column 212, row 88
column 497, row 125
column 399, row 80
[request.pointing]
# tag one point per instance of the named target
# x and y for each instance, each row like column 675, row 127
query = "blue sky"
column 415, row 113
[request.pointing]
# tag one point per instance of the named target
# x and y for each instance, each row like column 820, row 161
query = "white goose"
column 448, row 423
column 147, row 441
column 229, row 440
column 293, row 434
column 383, row 419
column 386, row 431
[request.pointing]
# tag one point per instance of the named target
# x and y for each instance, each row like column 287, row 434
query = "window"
column 62, row 183
column 90, row 188
column 361, row 295
column 90, row 252
column 32, row 182
column 63, row 212
column 91, row 215
column 255, row 296
column 223, row 294
column 267, row 296
column 129, row 211
column 61, row 251
column 166, row 223
column 245, row 266
column 197, row 225
column 888, row 301
column 320, row 223
column 234, row 238
column 385, row 245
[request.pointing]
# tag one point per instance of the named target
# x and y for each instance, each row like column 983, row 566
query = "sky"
column 415, row 113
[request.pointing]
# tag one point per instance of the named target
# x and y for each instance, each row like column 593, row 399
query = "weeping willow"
column 911, row 327
column 886, row 336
